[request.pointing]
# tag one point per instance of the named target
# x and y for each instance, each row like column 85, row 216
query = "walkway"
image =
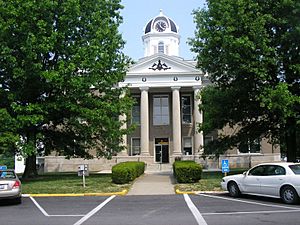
column 160, row 183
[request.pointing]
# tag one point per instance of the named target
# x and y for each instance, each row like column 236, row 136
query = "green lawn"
column 210, row 181
column 67, row 183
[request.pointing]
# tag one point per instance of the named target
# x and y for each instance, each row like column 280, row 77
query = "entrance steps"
column 159, row 167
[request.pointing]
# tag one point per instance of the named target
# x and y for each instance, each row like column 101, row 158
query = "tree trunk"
column 30, row 167
column 291, row 141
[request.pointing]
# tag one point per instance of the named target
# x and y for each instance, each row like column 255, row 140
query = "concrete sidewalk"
column 160, row 183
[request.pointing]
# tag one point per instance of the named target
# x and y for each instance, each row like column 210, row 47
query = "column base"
column 145, row 154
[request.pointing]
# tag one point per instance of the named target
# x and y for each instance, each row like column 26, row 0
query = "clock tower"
column 161, row 36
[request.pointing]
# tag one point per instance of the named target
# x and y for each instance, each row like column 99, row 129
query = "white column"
column 124, row 137
column 198, row 118
column 176, row 121
column 144, row 121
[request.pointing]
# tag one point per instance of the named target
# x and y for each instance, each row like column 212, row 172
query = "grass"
column 67, row 183
column 210, row 181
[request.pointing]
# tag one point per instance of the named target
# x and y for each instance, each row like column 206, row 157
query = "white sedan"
column 279, row 180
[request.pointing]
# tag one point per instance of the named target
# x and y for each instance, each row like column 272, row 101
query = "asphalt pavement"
column 202, row 209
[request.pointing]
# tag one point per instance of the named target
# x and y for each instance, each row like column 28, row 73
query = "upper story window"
column 186, row 109
column 250, row 146
column 161, row 110
column 136, row 111
column 161, row 47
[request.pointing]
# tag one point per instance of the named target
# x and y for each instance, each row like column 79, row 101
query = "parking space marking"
column 39, row 207
column 95, row 210
column 46, row 214
column 249, row 202
column 200, row 220
column 253, row 212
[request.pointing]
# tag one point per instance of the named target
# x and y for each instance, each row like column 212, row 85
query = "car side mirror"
column 245, row 173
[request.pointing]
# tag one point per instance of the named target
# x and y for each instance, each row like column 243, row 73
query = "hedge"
column 187, row 171
column 125, row 172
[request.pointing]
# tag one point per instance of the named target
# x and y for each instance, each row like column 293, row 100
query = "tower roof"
column 171, row 25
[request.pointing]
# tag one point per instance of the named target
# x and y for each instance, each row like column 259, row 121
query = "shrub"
column 187, row 171
column 125, row 172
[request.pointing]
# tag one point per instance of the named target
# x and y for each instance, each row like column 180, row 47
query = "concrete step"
column 159, row 167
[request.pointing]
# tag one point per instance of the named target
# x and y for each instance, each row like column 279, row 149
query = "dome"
column 168, row 25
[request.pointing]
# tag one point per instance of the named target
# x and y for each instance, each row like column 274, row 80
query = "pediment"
column 162, row 64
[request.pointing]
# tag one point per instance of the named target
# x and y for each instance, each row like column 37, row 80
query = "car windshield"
column 295, row 168
column 7, row 174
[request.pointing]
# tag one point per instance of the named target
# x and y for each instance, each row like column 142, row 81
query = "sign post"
column 225, row 166
column 83, row 171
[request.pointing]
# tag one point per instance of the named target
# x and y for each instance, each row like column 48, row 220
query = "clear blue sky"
column 137, row 13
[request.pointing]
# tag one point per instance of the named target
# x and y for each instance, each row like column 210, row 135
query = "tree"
column 60, row 65
column 251, row 50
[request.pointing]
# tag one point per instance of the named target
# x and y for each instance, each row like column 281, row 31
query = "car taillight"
column 17, row 184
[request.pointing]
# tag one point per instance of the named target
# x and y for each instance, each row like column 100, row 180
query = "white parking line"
column 200, row 220
column 38, row 206
column 253, row 212
column 46, row 214
column 95, row 210
column 249, row 202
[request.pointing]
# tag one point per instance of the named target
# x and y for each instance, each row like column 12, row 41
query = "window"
column 135, row 146
column 267, row 170
column 161, row 47
column 161, row 110
column 187, row 146
column 250, row 146
column 257, row 171
column 136, row 111
column 295, row 169
column 186, row 109
column 208, row 139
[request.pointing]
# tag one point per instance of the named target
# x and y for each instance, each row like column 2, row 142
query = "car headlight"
column 223, row 180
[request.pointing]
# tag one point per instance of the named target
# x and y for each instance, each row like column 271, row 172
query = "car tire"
column 233, row 189
column 289, row 195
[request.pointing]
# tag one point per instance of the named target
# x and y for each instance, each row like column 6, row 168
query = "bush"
column 125, row 172
column 187, row 171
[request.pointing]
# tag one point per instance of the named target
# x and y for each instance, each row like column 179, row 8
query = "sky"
column 137, row 13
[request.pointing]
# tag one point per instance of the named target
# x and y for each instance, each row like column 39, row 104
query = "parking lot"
column 211, row 209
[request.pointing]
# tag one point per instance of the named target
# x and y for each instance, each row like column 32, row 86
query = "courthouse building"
column 166, row 89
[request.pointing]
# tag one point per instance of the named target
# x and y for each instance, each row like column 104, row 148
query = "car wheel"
column 289, row 195
column 233, row 189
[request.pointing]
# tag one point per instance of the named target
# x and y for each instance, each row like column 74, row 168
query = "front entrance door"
column 162, row 150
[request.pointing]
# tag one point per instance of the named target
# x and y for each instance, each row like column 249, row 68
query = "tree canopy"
column 60, row 63
column 250, row 49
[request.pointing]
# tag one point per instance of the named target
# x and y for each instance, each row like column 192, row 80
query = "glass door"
column 162, row 150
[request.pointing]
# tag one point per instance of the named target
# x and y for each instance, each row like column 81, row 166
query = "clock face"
column 160, row 26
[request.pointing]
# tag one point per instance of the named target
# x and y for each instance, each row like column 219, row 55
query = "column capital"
column 144, row 88
column 175, row 88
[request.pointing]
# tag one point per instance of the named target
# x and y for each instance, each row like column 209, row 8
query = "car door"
column 275, row 176
column 251, row 180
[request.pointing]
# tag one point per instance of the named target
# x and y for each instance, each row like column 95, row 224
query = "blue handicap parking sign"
column 225, row 165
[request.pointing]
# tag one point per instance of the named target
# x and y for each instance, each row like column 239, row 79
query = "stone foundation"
column 61, row 164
